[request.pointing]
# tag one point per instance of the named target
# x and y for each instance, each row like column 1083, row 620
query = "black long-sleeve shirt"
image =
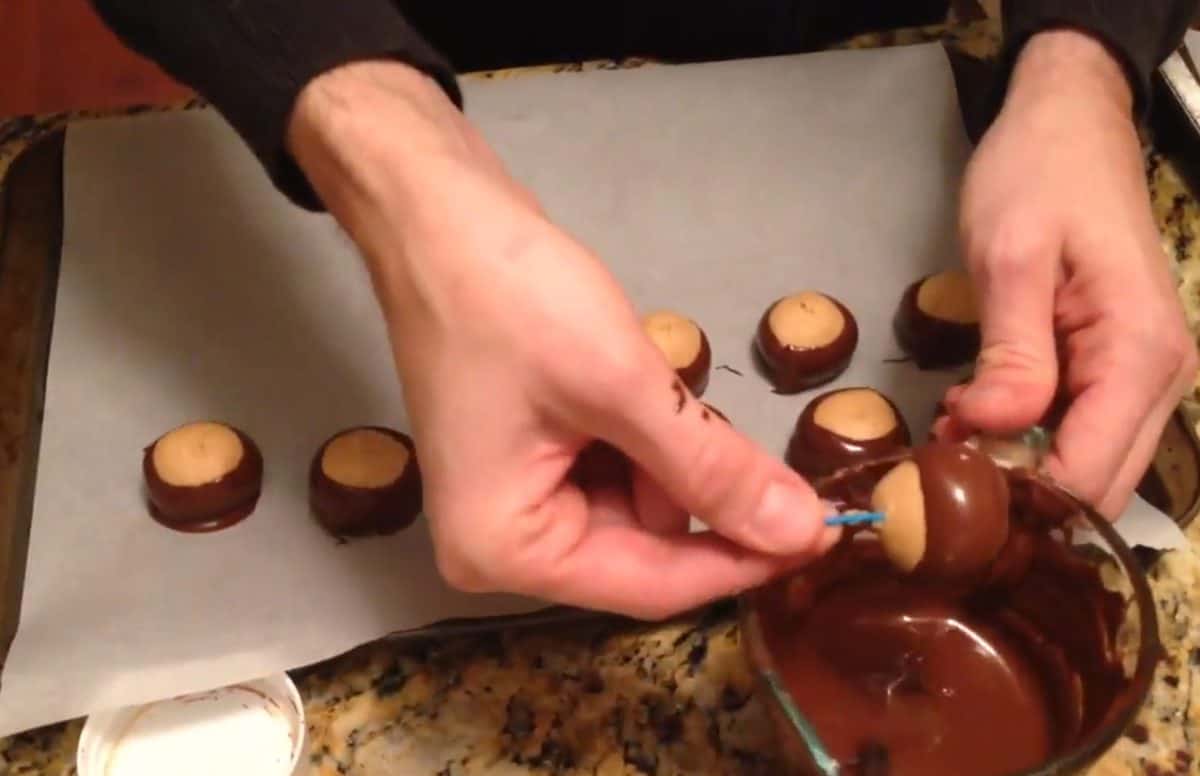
column 251, row 58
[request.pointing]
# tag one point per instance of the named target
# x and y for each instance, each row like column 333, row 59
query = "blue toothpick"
column 858, row 519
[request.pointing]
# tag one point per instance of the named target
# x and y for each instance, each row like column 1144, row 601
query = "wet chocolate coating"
column 211, row 506
column 901, row 672
column 966, row 510
column 889, row 667
column 933, row 343
column 348, row 510
column 695, row 375
column 815, row 451
column 792, row 370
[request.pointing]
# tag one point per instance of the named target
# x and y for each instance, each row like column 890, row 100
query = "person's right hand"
column 517, row 350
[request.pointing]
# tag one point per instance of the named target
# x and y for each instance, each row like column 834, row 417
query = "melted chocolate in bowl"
column 912, row 677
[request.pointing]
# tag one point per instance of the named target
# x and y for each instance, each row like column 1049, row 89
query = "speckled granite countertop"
column 616, row 699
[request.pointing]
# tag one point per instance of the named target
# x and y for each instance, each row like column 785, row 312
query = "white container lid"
column 249, row 729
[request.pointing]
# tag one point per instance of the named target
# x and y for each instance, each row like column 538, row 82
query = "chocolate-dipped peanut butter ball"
column 365, row 480
column 806, row 339
column 684, row 345
column 202, row 476
column 843, row 427
column 937, row 322
column 946, row 512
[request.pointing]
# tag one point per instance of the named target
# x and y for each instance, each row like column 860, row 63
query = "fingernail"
column 786, row 522
column 988, row 393
column 954, row 393
column 829, row 537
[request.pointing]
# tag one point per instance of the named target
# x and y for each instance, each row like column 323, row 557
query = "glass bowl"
column 1064, row 516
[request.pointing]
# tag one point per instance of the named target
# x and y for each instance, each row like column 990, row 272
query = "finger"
column 609, row 505
column 953, row 394
column 622, row 569
column 588, row 550
column 1114, row 493
column 655, row 510
column 714, row 472
column 1099, row 431
column 1114, row 502
column 947, row 429
column 604, row 473
column 1017, row 368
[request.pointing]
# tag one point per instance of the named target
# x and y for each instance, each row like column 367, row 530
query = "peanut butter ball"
column 202, row 476
column 806, row 339
column 845, row 426
column 946, row 512
column 937, row 322
column 684, row 345
column 365, row 480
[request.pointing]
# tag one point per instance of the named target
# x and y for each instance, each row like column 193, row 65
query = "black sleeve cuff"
column 1140, row 35
column 251, row 59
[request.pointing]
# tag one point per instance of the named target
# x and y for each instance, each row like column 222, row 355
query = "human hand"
column 517, row 351
column 1075, row 293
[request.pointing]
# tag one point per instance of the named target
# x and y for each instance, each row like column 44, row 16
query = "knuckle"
column 1191, row 363
column 460, row 572
column 1180, row 350
column 720, row 476
column 616, row 373
column 465, row 563
column 1019, row 356
column 1008, row 250
column 1164, row 345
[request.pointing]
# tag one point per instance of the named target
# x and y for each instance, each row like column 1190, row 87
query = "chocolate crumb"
column 733, row 699
column 520, row 718
column 593, row 682
column 1146, row 556
column 666, row 719
column 704, row 415
column 553, row 755
column 696, row 655
column 645, row 762
column 1138, row 733
column 1171, row 681
column 391, row 681
column 680, row 396
column 685, row 636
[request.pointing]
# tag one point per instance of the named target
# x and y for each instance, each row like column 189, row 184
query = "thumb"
column 1016, row 373
column 719, row 475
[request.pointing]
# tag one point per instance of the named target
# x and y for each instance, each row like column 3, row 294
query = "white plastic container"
column 249, row 729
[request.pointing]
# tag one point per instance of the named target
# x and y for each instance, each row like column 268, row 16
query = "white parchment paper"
column 191, row 289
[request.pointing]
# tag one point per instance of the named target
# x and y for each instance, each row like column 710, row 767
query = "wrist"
column 1070, row 64
column 345, row 125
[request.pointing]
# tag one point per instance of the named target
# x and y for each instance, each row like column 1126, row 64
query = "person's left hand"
column 1075, row 292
